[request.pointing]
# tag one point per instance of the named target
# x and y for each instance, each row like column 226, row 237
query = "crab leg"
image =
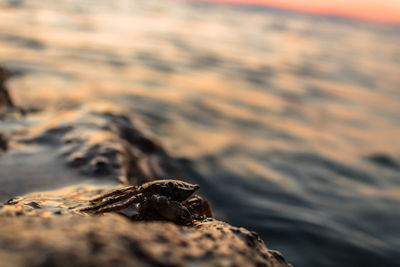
column 113, row 193
column 119, row 206
column 109, row 201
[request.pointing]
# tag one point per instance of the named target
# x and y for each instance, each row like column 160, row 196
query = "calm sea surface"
column 290, row 123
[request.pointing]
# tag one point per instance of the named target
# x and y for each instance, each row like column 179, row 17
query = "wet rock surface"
column 46, row 229
column 101, row 142
column 96, row 144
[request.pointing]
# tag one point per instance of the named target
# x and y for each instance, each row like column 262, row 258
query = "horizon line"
column 382, row 17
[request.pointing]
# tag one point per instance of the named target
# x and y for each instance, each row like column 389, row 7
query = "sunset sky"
column 377, row 10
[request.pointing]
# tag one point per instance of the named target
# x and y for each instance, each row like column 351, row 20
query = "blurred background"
column 286, row 114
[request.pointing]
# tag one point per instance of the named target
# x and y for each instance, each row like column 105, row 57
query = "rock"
column 112, row 240
column 5, row 98
column 102, row 142
column 94, row 143
column 46, row 229
column 3, row 143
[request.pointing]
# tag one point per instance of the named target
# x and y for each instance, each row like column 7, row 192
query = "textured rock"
column 94, row 143
column 45, row 229
column 113, row 240
column 101, row 141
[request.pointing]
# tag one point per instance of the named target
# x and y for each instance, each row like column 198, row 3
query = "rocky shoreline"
column 67, row 158
column 44, row 229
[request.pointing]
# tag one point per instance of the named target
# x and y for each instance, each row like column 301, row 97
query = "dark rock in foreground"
column 112, row 240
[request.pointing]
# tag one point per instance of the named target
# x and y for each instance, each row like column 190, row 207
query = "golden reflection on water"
column 227, row 69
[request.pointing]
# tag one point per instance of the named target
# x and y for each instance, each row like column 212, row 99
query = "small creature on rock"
column 198, row 206
column 168, row 199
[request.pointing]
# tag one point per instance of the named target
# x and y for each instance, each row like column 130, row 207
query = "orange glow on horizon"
column 376, row 10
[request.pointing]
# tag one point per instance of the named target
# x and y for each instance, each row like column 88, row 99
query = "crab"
column 160, row 198
column 198, row 207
